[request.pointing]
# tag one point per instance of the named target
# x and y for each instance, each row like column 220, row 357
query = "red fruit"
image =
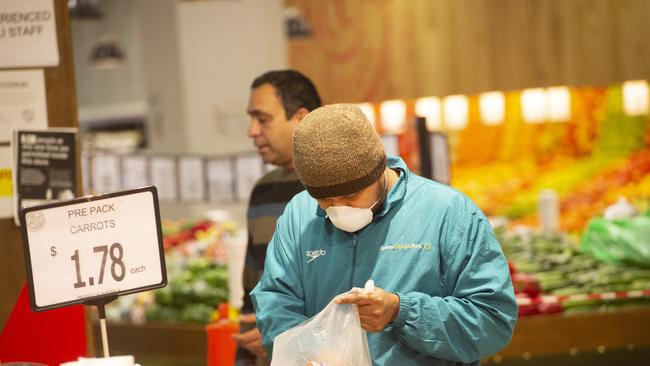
column 527, row 306
column 549, row 307
column 527, row 284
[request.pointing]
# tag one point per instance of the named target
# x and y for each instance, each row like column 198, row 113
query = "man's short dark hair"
column 294, row 89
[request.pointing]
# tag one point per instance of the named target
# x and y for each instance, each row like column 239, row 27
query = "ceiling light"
column 635, row 98
column 492, row 106
column 393, row 116
column 369, row 110
column 106, row 54
column 559, row 103
column 456, row 111
column 533, row 105
column 429, row 108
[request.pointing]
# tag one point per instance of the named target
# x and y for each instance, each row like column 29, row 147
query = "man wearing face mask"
column 443, row 292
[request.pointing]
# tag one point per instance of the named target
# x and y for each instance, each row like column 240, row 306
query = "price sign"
column 90, row 247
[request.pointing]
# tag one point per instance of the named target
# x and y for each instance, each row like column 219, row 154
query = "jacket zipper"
column 355, row 239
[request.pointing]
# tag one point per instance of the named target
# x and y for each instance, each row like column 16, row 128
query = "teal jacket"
column 430, row 245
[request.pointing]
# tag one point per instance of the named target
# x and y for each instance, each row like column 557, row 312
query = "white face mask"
column 352, row 219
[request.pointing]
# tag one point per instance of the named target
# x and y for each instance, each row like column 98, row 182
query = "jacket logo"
column 425, row 246
column 313, row 254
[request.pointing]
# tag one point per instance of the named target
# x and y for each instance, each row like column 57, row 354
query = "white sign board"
column 192, row 179
column 163, row 176
column 6, row 190
column 220, row 180
column 249, row 170
column 22, row 101
column 86, row 248
column 134, row 171
column 105, row 173
column 28, row 33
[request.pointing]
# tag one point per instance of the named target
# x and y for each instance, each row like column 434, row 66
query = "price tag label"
column 90, row 247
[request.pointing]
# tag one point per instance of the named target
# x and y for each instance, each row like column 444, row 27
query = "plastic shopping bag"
column 333, row 337
column 619, row 241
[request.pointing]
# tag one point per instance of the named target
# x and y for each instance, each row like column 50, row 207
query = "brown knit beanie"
column 336, row 151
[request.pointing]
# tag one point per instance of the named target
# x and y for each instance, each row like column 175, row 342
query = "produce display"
column 197, row 275
column 590, row 161
column 193, row 293
column 552, row 274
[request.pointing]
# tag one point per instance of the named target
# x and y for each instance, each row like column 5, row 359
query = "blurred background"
column 538, row 110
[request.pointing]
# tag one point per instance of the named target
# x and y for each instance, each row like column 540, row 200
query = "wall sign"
column 164, row 177
column 45, row 166
column 105, row 174
column 86, row 248
column 220, row 180
column 28, row 33
column 22, row 100
column 249, row 170
column 191, row 176
column 6, row 189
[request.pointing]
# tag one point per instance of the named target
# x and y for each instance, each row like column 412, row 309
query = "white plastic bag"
column 333, row 337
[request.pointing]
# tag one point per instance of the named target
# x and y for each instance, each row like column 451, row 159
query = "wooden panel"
column 400, row 80
column 632, row 18
column 510, row 41
column 469, row 46
column 542, row 48
column 472, row 56
column 433, row 56
column 569, row 40
column 598, row 61
column 159, row 343
column 62, row 111
column 556, row 334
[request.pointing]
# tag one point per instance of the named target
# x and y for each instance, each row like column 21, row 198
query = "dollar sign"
column 53, row 251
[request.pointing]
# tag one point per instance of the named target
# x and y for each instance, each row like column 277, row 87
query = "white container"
column 548, row 211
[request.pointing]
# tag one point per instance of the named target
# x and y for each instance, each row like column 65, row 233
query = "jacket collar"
column 397, row 192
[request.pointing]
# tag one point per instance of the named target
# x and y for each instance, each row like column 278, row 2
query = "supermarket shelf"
column 536, row 337
column 158, row 344
column 547, row 335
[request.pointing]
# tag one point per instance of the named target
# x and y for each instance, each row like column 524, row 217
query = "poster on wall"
column 163, row 177
column 192, row 178
column 22, row 101
column 134, row 171
column 28, row 33
column 249, row 170
column 105, row 174
column 45, row 167
column 5, row 182
column 220, row 180
column 84, row 161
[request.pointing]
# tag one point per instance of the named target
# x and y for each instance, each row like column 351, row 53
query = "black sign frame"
column 95, row 299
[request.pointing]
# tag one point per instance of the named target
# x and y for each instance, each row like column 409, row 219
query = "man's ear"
column 300, row 114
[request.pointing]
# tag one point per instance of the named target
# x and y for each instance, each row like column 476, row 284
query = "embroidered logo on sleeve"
column 313, row 254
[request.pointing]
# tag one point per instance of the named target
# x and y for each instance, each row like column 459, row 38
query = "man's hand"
column 376, row 309
column 250, row 339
